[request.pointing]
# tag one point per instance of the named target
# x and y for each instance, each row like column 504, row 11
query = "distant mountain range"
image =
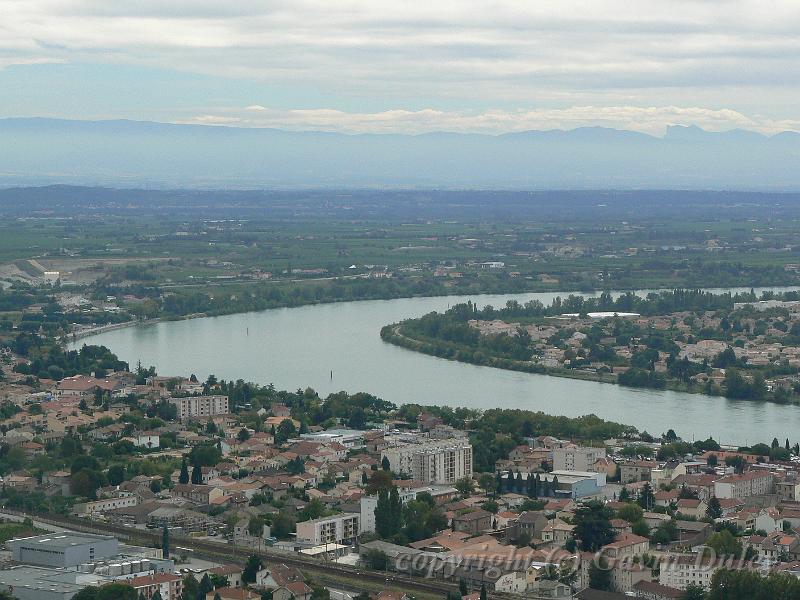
column 40, row 151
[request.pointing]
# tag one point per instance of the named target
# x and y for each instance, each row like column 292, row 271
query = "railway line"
column 324, row 572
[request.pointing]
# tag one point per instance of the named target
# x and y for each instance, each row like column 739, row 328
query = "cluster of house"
column 757, row 343
column 493, row 538
column 513, row 550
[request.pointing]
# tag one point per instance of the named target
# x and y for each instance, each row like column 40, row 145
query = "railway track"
column 323, row 571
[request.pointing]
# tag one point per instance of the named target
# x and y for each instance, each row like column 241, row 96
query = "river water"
column 300, row 347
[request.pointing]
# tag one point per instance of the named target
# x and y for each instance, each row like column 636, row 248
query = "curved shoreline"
column 391, row 334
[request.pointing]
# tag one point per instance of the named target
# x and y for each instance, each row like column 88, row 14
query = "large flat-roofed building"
column 38, row 583
column 441, row 461
column 198, row 407
column 349, row 438
column 62, row 549
column 328, row 530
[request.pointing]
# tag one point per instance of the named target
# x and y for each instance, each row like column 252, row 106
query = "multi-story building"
column 576, row 458
column 788, row 490
column 329, row 530
column 680, row 571
column 199, row 407
column 751, row 483
column 169, row 586
column 442, row 461
column 95, row 506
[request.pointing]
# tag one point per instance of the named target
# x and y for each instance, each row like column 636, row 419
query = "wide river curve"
column 300, row 347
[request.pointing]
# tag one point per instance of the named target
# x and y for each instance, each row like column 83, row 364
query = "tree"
column 87, row 593
column 724, row 544
column 714, row 510
column 465, row 485
column 523, row 539
column 205, row 586
column 191, row 587
column 484, row 595
column 285, row 431
column 385, row 464
column 85, row 483
column 255, row 527
column 749, row 585
column 116, row 474
column 282, row 526
column 646, row 497
column 630, row 512
column 694, row 592
column 593, row 526
column 383, row 515
column 624, row 495
column 156, row 595
column 377, row 560
column 251, row 569
column 116, row 591
column 319, row 592
column 395, row 509
column 243, row 435
column 197, row 475
column 640, row 528
column 665, row 533
column 165, row 542
column 462, row 586
column 487, row 483
column 184, row 476
column 599, row 574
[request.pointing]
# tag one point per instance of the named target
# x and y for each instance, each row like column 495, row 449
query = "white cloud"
column 448, row 53
column 651, row 120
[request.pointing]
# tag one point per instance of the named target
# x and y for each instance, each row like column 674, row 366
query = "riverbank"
column 74, row 336
column 299, row 348
column 220, row 299
column 393, row 334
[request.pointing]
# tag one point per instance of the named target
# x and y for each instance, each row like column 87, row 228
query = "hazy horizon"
column 382, row 67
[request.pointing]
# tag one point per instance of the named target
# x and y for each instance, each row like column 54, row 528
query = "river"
column 300, row 347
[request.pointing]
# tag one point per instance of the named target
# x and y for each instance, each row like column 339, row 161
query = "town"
column 288, row 485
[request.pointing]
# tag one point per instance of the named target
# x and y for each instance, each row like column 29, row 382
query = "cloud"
column 651, row 120
column 449, row 54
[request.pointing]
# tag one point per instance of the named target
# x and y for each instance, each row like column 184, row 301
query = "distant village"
column 756, row 338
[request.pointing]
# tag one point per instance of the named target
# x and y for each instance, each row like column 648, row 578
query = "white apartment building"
column 576, row 458
column 337, row 529
column 751, row 483
column 198, row 407
column 440, row 461
column 681, row 571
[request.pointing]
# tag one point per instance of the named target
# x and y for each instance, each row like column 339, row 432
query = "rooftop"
column 62, row 540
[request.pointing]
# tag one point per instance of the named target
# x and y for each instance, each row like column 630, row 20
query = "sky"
column 406, row 66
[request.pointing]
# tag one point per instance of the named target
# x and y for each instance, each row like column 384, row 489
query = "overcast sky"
column 406, row 66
